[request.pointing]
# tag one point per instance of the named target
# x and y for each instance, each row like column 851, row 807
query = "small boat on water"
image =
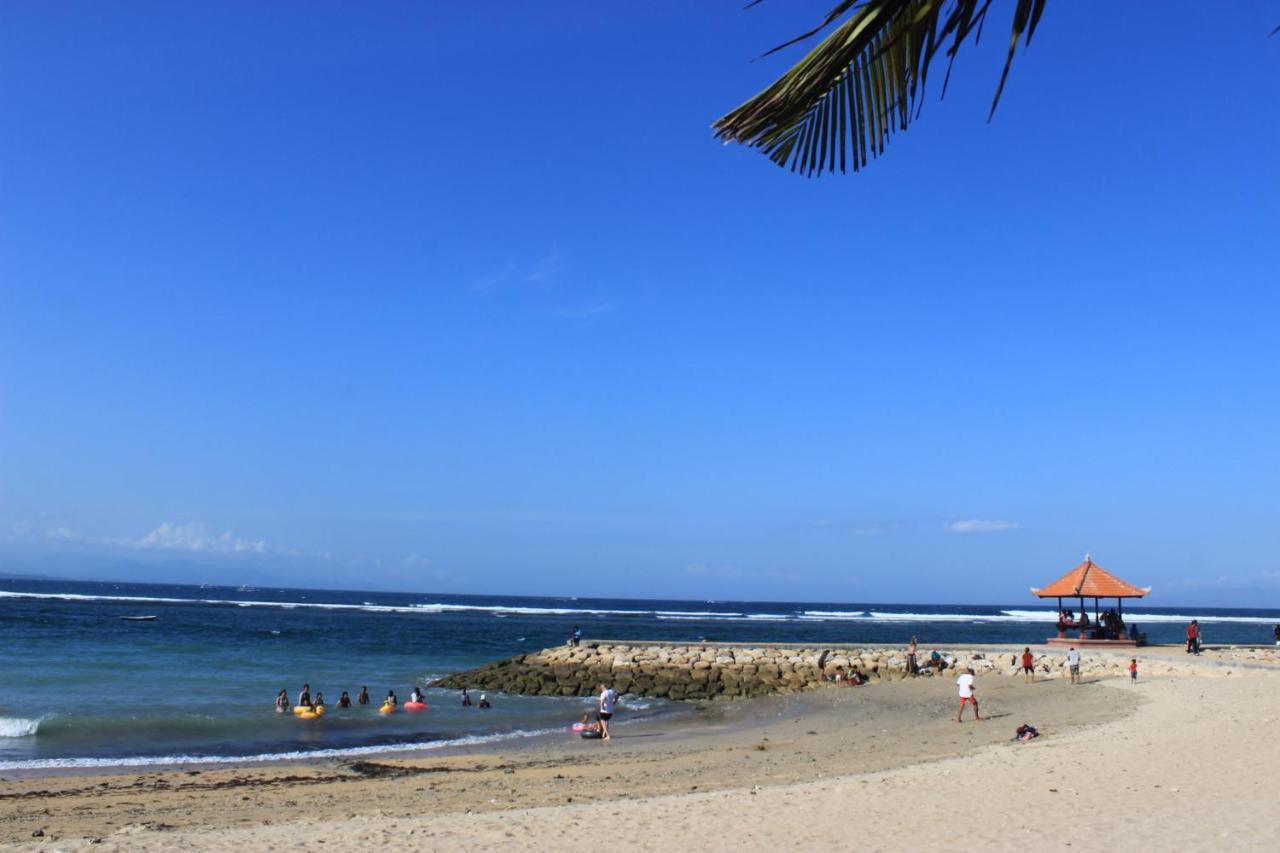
column 138, row 618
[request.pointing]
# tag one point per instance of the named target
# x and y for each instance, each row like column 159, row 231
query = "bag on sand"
column 1026, row 731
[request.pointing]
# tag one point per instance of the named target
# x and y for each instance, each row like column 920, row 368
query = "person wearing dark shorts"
column 608, row 703
column 1028, row 664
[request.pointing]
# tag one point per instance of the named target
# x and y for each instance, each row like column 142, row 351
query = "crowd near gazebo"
column 1107, row 628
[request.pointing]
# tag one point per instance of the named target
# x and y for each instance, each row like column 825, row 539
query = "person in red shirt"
column 1193, row 637
column 1133, row 670
column 1028, row 665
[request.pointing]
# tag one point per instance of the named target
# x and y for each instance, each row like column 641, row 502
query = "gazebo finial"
column 1088, row 558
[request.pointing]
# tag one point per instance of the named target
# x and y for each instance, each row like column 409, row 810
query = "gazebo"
column 1089, row 580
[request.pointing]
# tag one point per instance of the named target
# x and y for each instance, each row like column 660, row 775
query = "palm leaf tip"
column 838, row 106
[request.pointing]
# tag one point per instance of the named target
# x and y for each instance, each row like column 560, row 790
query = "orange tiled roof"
column 1090, row 581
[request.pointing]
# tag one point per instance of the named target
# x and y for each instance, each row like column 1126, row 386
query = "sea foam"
column 18, row 727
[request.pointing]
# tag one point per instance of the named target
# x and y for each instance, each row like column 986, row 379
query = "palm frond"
column 838, row 106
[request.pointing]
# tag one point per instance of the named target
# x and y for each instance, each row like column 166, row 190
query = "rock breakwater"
column 713, row 670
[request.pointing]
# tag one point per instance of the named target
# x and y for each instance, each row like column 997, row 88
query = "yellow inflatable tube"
column 387, row 709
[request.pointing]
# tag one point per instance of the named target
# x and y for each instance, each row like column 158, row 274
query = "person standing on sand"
column 965, row 686
column 1193, row 638
column 1073, row 665
column 1028, row 665
column 1133, row 670
column 912, row 667
column 608, row 703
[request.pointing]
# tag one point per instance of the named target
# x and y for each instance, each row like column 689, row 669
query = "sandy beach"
column 1183, row 759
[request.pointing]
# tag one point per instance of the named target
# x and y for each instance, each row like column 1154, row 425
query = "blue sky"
column 465, row 298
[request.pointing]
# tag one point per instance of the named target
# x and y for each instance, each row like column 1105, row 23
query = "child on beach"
column 1133, row 669
column 1028, row 664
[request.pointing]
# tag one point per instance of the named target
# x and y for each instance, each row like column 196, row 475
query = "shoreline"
column 732, row 752
column 1221, row 658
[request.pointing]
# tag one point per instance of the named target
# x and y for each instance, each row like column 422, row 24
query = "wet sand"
column 730, row 750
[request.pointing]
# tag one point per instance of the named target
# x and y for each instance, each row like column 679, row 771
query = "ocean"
column 82, row 687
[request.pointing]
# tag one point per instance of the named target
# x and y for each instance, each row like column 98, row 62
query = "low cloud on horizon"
column 977, row 525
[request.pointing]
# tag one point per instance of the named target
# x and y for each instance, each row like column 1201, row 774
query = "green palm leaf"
column 838, row 106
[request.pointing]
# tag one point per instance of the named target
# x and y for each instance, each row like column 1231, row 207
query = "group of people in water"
column 316, row 705
column 306, row 700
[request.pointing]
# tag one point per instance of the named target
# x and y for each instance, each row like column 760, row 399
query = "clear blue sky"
column 465, row 298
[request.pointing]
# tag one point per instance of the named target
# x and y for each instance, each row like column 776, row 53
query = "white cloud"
column 194, row 536
column 976, row 525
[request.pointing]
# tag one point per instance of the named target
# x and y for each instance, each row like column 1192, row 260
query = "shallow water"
column 81, row 686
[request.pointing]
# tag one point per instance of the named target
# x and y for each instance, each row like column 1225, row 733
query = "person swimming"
column 466, row 698
column 391, row 699
column 282, row 701
column 416, row 696
column 319, row 703
column 484, row 702
column 344, row 701
column 304, row 698
column 363, row 698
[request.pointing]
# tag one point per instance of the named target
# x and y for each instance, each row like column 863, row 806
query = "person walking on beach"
column 912, row 667
column 1028, row 665
column 608, row 703
column 965, row 686
column 1073, row 665
column 1133, row 670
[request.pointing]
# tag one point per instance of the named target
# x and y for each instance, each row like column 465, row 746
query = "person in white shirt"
column 1073, row 665
column 965, row 685
column 608, row 702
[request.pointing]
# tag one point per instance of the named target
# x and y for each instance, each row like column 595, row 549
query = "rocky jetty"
column 714, row 670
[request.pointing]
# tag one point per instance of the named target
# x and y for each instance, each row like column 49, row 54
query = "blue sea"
column 82, row 687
